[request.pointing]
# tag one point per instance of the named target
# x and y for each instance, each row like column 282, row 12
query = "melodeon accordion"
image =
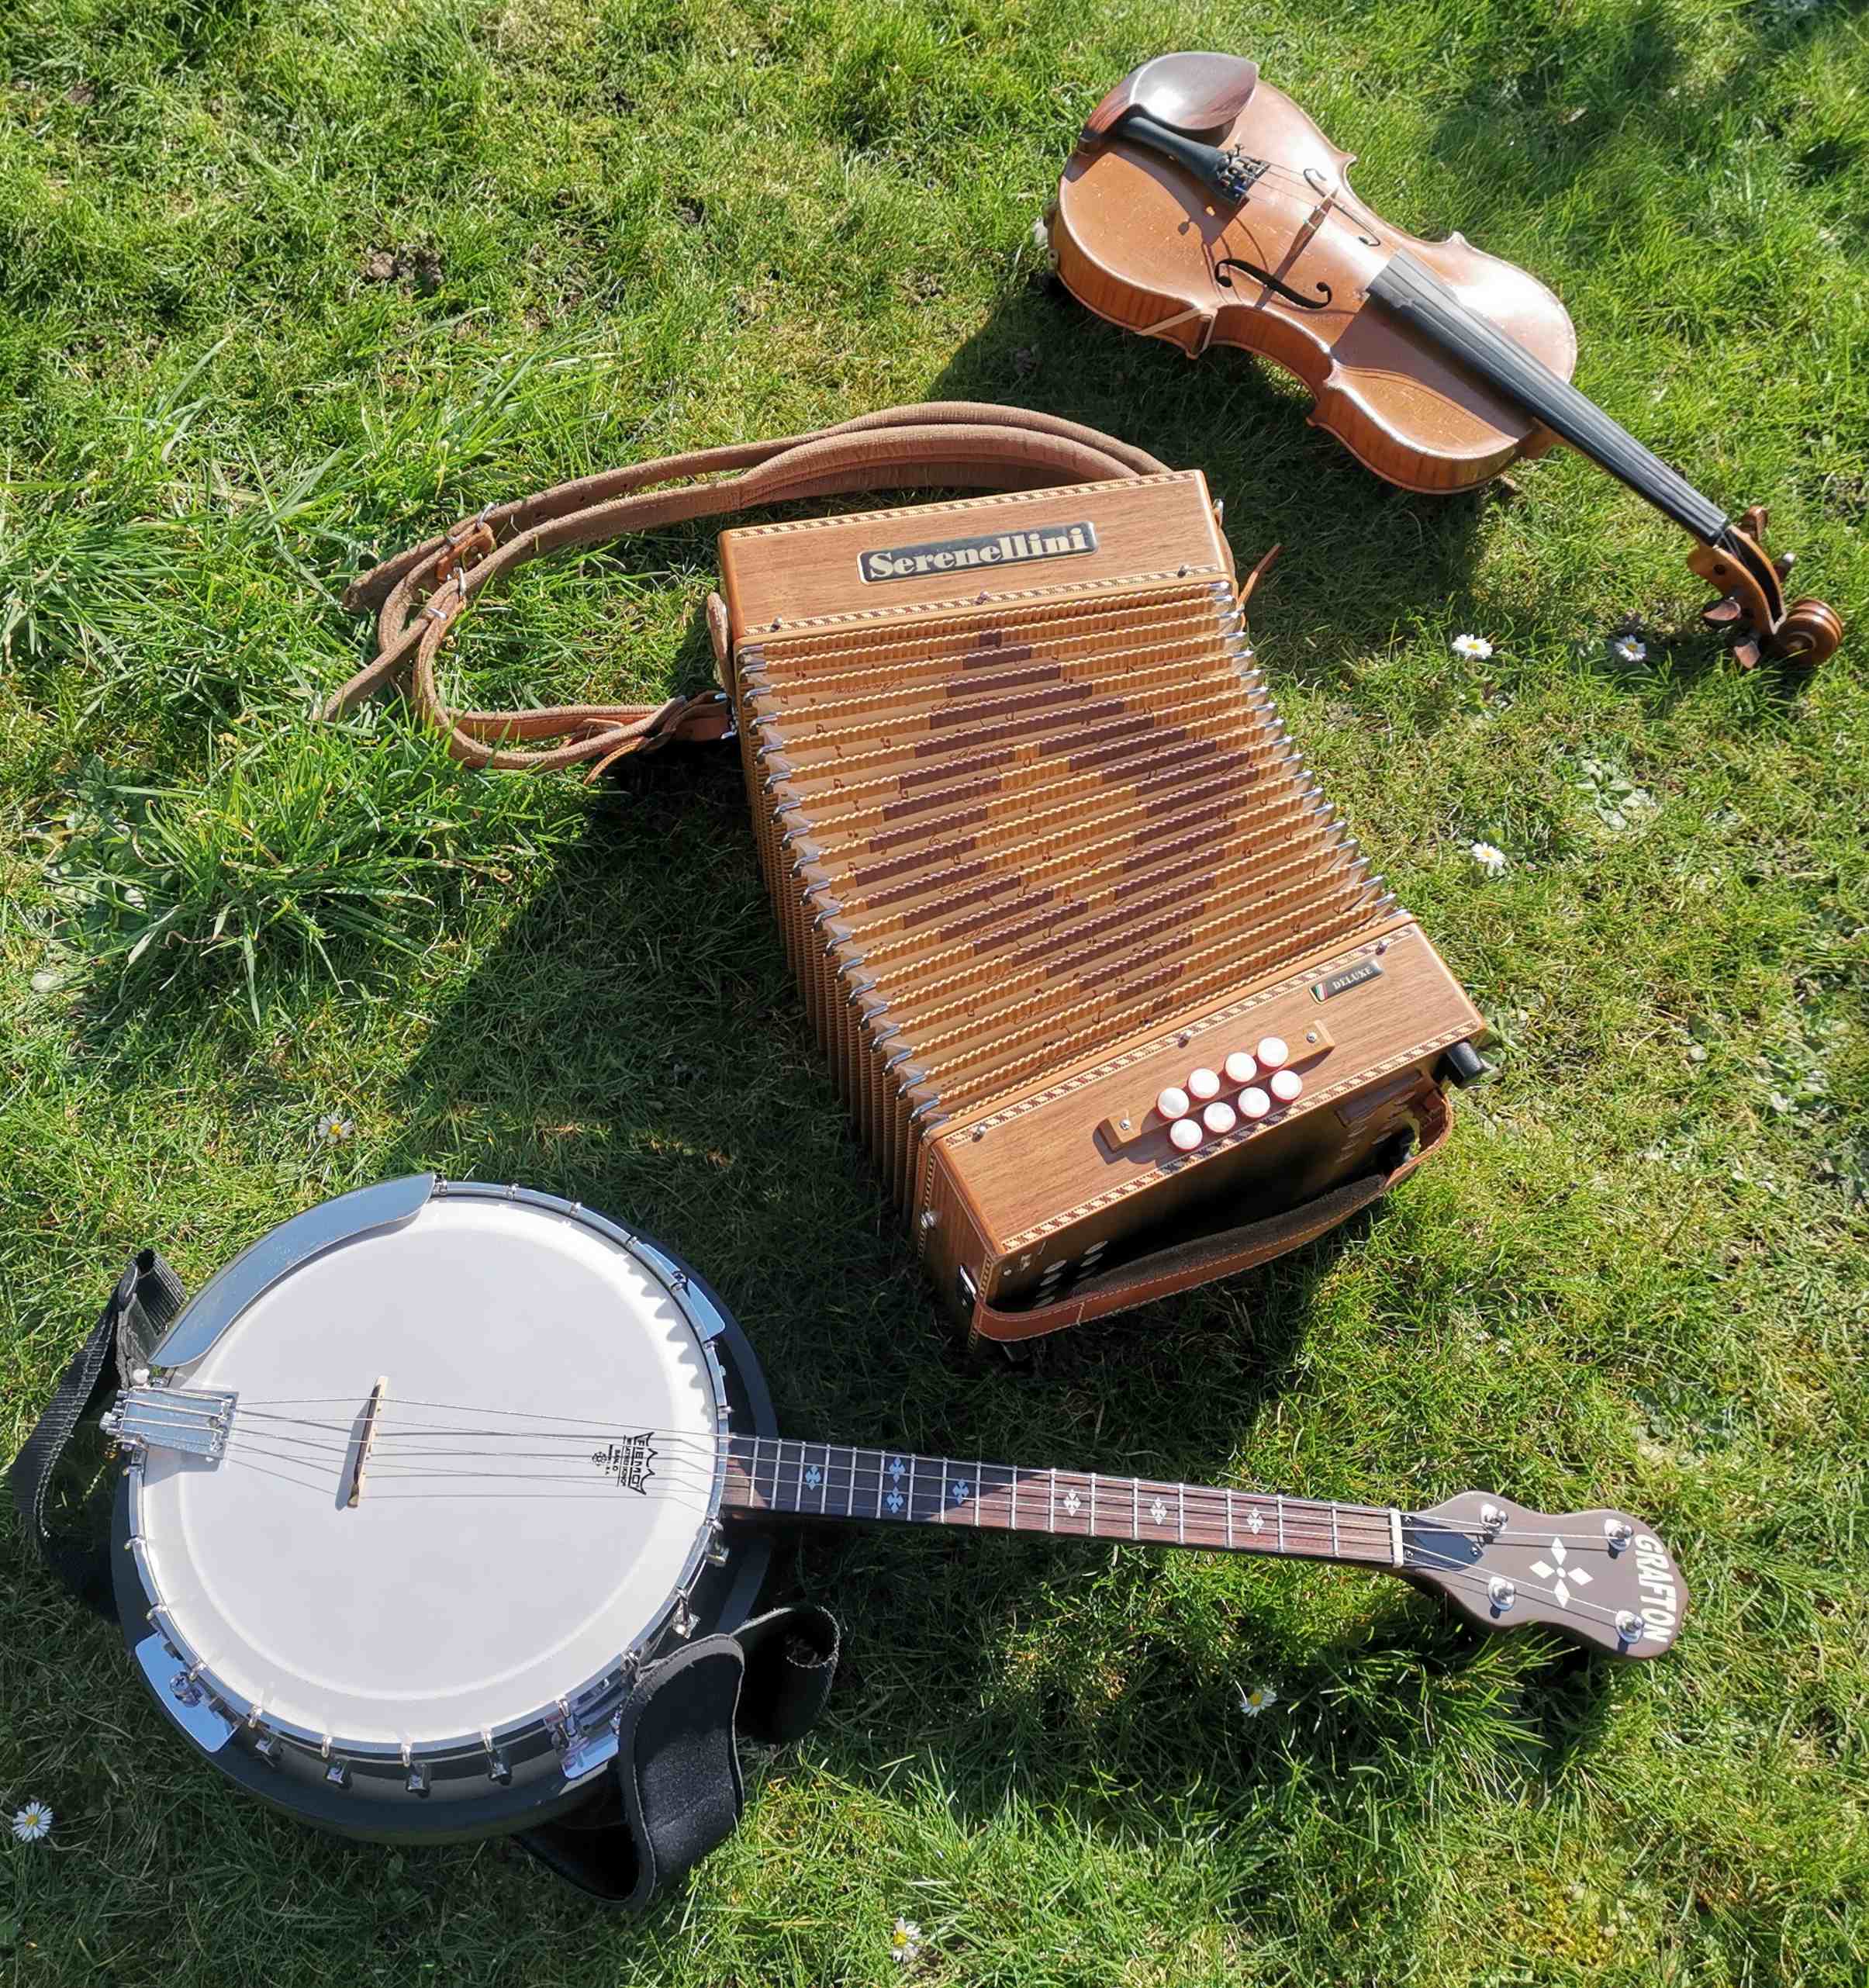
column 1106, row 985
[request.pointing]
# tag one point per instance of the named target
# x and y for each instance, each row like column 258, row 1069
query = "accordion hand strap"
column 419, row 594
column 1205, row 1259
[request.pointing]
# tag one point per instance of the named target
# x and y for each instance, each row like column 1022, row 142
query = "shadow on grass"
column 1361, row 555
column 1089, row 1682
column 1362, row 558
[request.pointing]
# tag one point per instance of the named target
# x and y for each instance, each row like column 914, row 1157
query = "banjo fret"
column 939, row 1491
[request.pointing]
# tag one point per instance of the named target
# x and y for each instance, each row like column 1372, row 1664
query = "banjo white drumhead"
column 502, row 1552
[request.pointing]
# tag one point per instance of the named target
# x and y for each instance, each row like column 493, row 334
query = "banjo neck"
column 781, row 1477
column 1600, row 1577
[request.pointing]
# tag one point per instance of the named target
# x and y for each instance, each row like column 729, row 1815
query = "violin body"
column 1131, row 246
column 1202, row 205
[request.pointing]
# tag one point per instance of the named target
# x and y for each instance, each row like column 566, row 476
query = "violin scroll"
column 1805, row 634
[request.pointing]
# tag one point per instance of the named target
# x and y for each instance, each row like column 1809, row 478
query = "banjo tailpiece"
column 1115, row 998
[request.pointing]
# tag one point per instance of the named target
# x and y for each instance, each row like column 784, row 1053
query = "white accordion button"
column 1219, row 1117
column 1203, row 1084
column 1272, row 1052
column 1254, row 1103
column 1172, row 1102
column 1285, row 1085
column 1184, row 1135
column 1241, row 1068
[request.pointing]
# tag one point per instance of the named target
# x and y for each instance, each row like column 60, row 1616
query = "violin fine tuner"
column 1202, row 205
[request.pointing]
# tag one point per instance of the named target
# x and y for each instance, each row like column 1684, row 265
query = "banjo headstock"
column 1601, row 1578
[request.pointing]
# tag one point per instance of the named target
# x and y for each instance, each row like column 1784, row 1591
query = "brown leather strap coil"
column 420, row 594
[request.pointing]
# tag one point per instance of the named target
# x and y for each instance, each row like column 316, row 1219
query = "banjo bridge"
column 195, row 1421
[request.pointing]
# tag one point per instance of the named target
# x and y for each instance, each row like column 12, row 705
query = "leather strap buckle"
column 707, row 715
column 465, row 546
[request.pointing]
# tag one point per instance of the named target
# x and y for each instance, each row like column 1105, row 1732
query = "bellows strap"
column 1229, row 1251
column 420, row 594
column 147, row 1298
column 676, row 1792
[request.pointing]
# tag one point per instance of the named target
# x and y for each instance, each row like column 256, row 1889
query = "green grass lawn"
column 285, row 286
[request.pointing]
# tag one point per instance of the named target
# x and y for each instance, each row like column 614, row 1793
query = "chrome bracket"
column 194, row 1420
column 191, row 1709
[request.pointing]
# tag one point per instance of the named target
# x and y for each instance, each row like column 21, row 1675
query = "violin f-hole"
column 1321, row 302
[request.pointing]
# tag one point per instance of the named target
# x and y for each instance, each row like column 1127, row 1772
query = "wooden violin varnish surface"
column 1203, row 206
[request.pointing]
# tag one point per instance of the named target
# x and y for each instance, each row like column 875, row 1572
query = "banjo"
column 417, row 1488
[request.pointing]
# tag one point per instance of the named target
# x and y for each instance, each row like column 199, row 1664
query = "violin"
column 1203, row 206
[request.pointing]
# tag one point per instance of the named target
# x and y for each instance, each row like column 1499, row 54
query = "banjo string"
column 1207, row 1507
column 690, row 1450
column 1446, row 1569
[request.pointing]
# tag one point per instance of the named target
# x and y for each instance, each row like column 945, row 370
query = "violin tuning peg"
column 1722, row 612
column 1746, row 654
column 1783, row 563
column 1753, row 519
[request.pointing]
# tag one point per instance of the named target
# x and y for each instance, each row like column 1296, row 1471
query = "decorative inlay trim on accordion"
column 1030, row 846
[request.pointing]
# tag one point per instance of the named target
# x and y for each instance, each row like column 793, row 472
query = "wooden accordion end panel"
column 1042, row 852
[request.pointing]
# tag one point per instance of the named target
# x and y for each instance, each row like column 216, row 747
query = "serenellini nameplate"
column 987, row 548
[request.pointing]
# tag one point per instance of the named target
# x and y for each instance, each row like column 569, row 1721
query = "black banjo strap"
column 675, row 1791
column 146, row 1299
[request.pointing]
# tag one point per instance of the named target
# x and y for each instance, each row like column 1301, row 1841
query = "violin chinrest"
column 1198, row 92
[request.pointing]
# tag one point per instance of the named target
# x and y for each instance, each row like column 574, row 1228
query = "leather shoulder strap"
column 419, row 595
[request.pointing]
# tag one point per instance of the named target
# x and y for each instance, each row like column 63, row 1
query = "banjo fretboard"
column 889, row 1487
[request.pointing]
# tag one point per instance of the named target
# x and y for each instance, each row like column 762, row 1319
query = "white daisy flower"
column 1259, row 1698
column 1490, row 858
column 1476, row 648
column 335, row 1129
column 904, row 1941
column 32, row 1823
column 1626, row 648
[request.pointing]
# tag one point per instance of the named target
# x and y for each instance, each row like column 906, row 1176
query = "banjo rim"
column 579, row 1726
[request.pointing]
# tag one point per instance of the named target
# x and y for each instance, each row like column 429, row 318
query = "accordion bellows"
column 1044, row 857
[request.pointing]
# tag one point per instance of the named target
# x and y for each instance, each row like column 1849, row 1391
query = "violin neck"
column 1414, row 292
column 890, row 1487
